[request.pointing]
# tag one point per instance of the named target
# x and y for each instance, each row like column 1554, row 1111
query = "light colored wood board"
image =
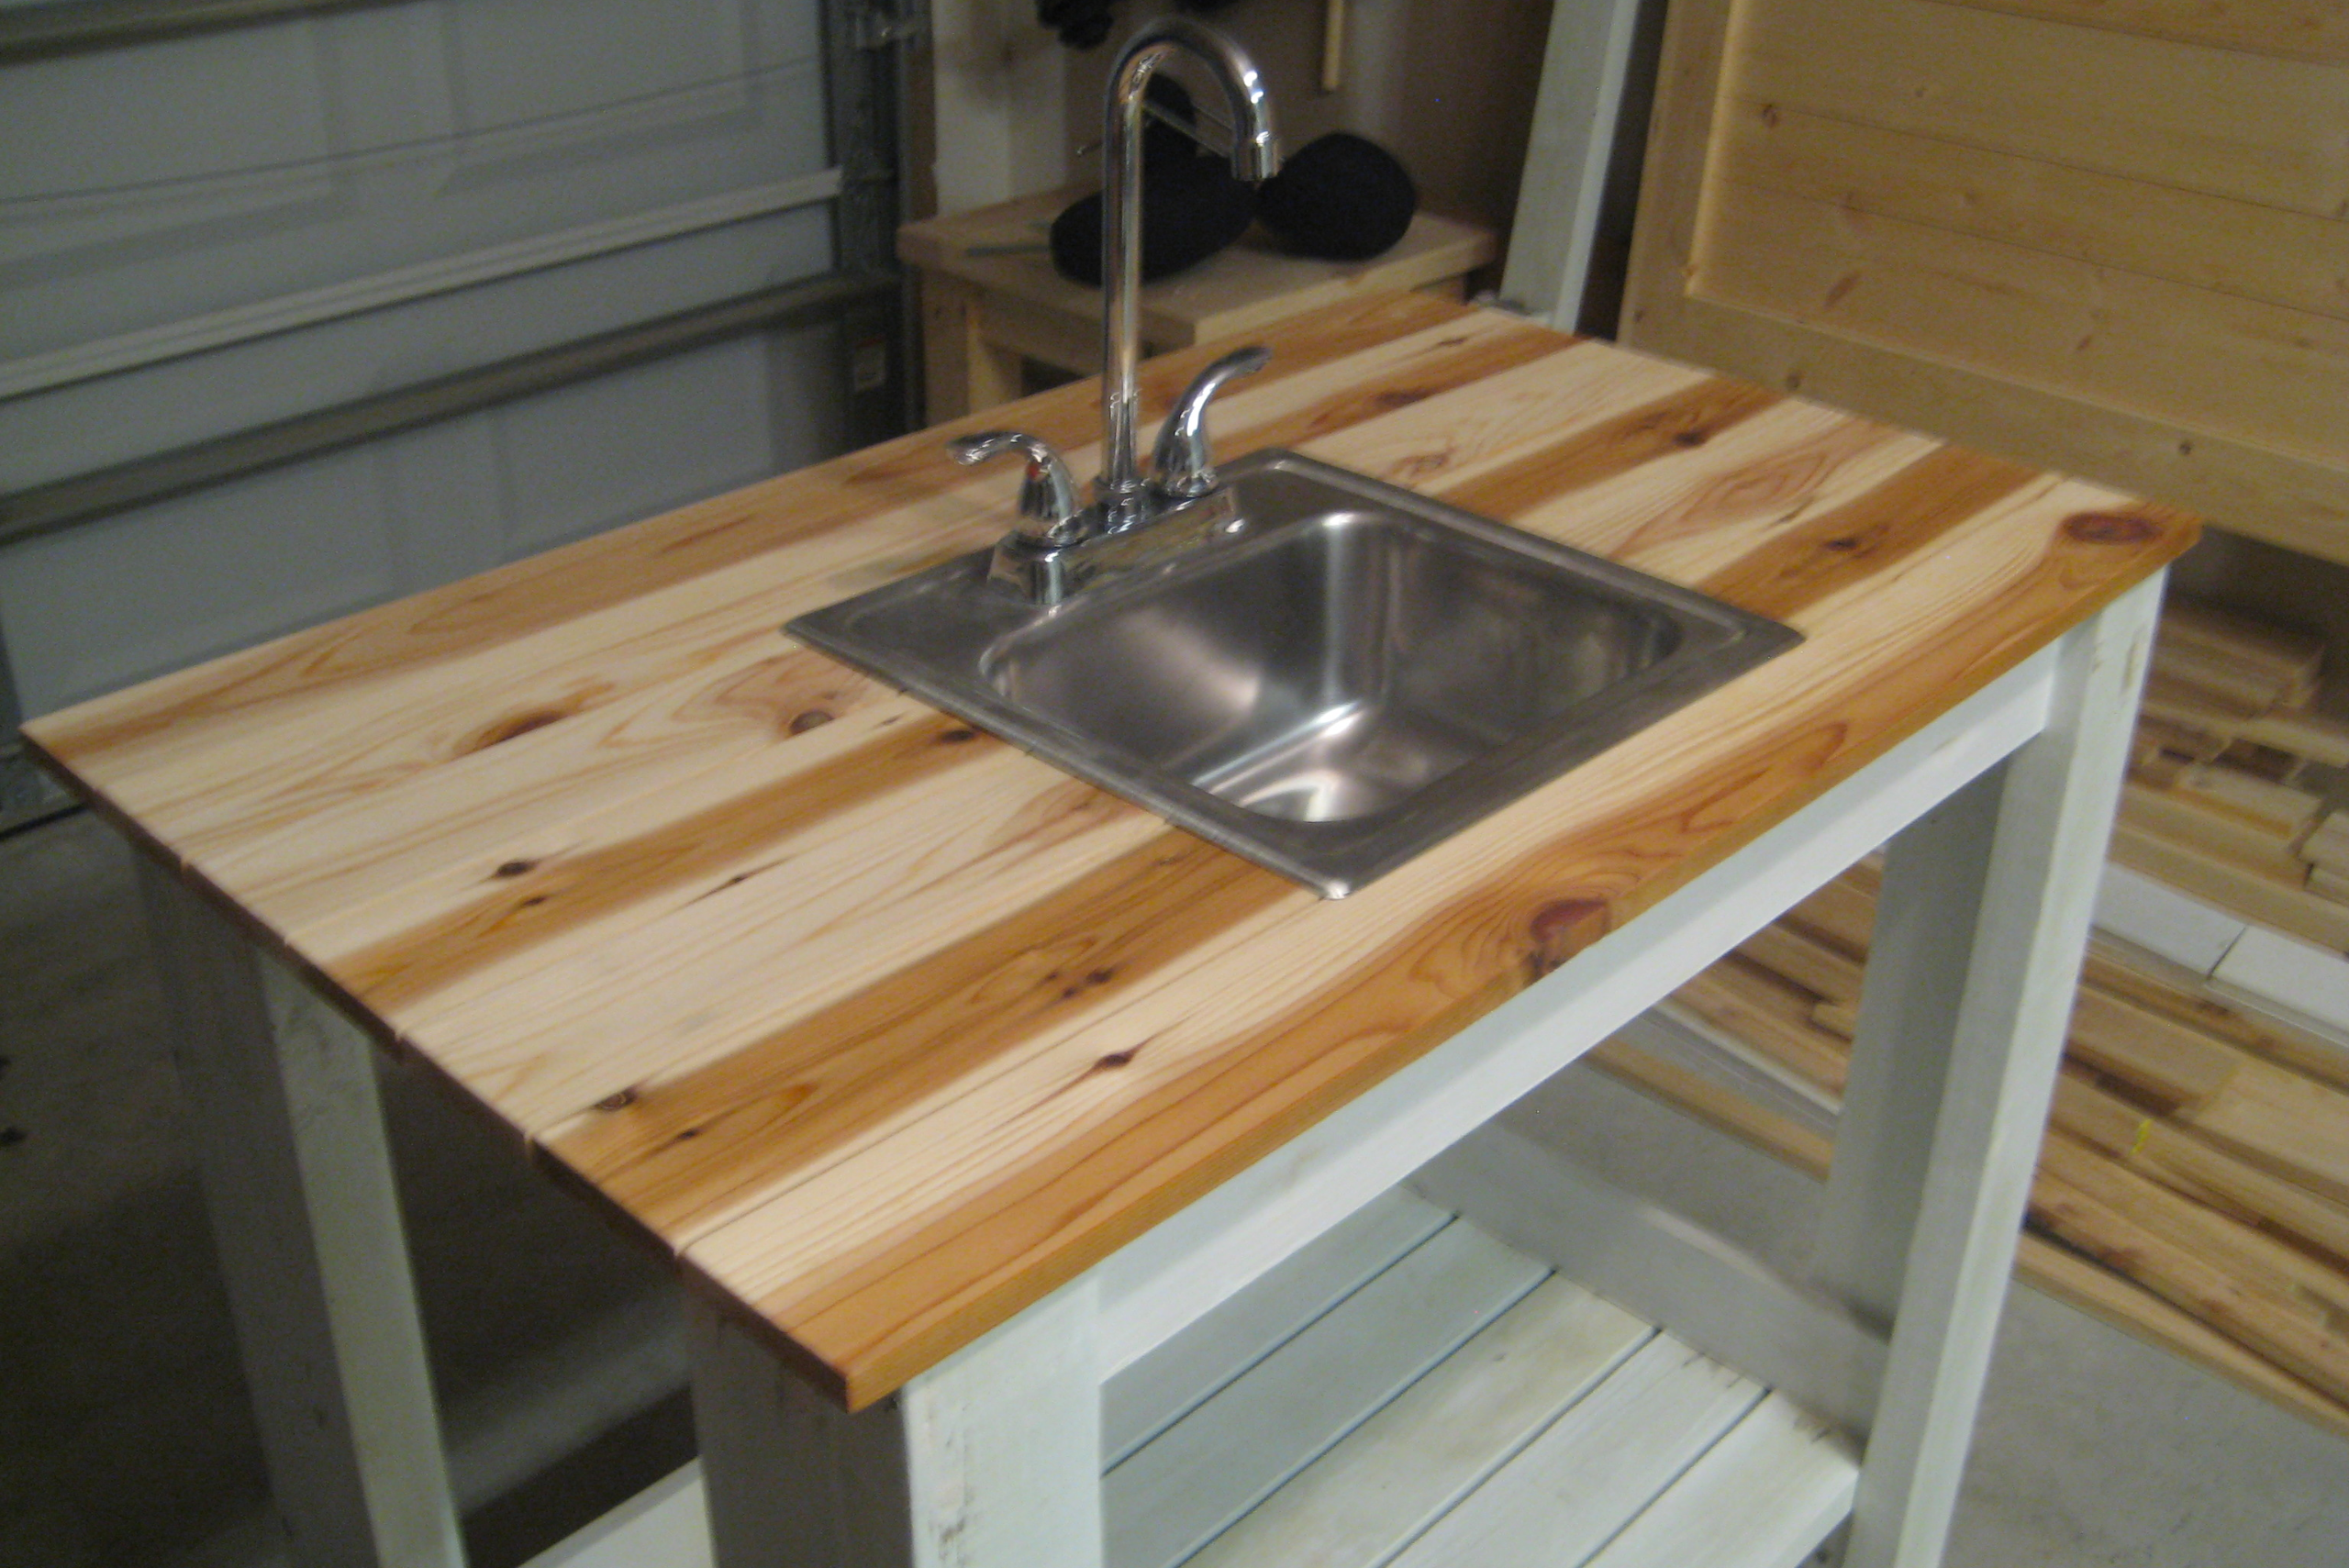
column 1398, row 1471
column 2191, row 708
column 2284, row 809
column 2328, row 844
column 1767, row 1013
column 1766, row 1495
column 1668, row 305
column 2199, row 823
column 1807, row 1150
column 1176, row 1493
column 2298, row 977
column 2255, row 490
column 1155, row 1392
column 1568, row 1491
column 2330, row 884
column 1802, row 1087
column 2136, row 1228
column 1667, row 1271
column 2311, row 29
column 2240, row 1020
column 2168, row 1060
column 2147, row 346
column 2264, row 900
column 1812, row 964
column 2312, row 737
column 2252, row 249
column 553, row 1033
column 2232, row 124
column 2293, row 657
column 2279, row 1118
column 2224, row 678
column 664, row 1526
column 2307, row 1287
column 1786, row 466
column 2192, row 1165
column 2128, row 1306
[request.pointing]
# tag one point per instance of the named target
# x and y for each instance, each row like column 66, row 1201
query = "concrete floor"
column 125, row 1442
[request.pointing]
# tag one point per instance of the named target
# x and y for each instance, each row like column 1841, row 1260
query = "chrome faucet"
column 1034, row 558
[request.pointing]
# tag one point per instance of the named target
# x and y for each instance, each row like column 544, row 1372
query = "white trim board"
column 2301, row 982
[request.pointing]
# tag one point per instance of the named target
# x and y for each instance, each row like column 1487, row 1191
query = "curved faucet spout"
column 1255, row 155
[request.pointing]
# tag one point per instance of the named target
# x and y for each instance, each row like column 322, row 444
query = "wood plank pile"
column 2194, row 1182
column 2222, row 799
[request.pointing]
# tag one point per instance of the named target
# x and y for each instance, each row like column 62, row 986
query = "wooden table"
column 957, row 1088
column 991, row 299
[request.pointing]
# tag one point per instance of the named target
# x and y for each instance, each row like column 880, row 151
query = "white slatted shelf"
column 1462, row 1407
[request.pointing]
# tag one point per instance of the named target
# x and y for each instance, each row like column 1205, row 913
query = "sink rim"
column 1334, row 857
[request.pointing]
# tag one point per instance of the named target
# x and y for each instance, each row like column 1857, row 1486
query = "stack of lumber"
column 2223, row 797
column 2194, row 1182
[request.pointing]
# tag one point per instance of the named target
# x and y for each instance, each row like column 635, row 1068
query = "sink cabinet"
column 1006, row 1137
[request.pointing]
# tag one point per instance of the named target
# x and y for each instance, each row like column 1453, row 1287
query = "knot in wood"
column 1564, row 928
column 2110, row 527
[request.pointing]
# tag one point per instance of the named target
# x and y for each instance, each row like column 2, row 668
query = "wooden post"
column 963, row 371
column 297, row 1178
column 992, row 1459
column 1987, row 903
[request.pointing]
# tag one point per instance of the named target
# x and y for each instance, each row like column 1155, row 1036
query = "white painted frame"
column 992, row 1459
column 1576, row 114
column 297, row 1178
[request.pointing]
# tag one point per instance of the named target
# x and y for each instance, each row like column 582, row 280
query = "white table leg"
column 992, row 1459
column 297, row 1178
column 1984, row 917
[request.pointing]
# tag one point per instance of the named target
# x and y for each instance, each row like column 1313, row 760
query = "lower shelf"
column 1407, row 1392
column 1412, row 1392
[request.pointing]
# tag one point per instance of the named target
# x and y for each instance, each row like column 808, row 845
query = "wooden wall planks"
column 2113, row 238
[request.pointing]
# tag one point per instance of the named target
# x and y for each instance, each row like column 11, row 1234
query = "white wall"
column 207, row 233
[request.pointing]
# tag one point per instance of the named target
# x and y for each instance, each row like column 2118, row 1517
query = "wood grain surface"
column 2108, row 236
column 885, row 1027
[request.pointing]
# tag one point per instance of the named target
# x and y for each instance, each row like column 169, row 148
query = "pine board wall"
column 2105, row 236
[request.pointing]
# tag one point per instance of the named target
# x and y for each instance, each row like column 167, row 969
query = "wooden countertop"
column 886, row 1028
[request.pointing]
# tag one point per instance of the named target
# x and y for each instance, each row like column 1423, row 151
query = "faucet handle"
column 1047, row 493
column 1185, row 467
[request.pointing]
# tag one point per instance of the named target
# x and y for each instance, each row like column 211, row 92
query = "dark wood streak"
column 683, row 1148
column 535, row 901
column 1855, row 541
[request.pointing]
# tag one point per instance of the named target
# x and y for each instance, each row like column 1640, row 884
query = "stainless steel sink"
column 1322, row 672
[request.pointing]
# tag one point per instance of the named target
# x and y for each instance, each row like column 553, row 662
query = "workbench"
column 961, row 1091
column 991, row 299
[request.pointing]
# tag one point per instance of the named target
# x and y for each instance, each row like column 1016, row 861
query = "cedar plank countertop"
column 886, row 1028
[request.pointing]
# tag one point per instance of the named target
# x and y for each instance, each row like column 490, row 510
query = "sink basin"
column 1319, row 671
